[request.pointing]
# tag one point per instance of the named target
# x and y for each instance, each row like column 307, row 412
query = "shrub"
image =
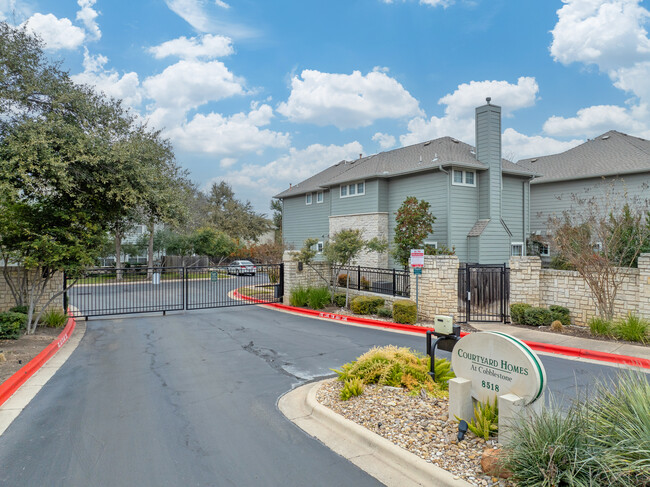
column 274, row 274
column 352, row 388
column 517, row 311
column 392, row 366
column 55, row 318
column 19, row 309
column 366, row 305
column 557, row 326
column 342, row 280
column 339, row 299
column 561, row 314
column 318, row 297
column 560, row 263
column 486, row 420
column 385, row 312
column 365, row 283
column 538, row 317
column 11, row 324
column 404, row 311
column 299, row 296
column 443, row 372
column 633, row 329
column 559, row 309
column 600, row 326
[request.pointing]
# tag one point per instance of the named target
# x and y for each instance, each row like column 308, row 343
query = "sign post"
column 417, row 263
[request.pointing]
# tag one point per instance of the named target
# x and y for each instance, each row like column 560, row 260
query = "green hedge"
column 384, row 312
column 517, row 311
column 366, row 305
column 12, row 324
column 538, row 317
column 339, row 299
column 404, row 311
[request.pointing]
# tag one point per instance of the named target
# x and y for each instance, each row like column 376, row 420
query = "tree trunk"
column 118, row 253
column 150, row 227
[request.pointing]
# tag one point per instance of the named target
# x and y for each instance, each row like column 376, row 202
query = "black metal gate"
column 483, row 293
column 109, row 291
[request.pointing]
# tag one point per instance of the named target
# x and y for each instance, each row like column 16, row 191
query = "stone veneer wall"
column 371, row 225
column 438, row 286
column 531, row 284
column 307, row 277
column 54, row 286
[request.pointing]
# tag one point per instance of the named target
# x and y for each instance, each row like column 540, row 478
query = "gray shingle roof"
column 609, row 154
column 425, row 156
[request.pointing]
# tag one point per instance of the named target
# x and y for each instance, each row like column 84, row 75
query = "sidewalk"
column 605, row 346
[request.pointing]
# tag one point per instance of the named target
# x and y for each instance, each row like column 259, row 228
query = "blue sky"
column 266, row 93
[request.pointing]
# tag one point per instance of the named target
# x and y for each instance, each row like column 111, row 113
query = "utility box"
column 444, row 325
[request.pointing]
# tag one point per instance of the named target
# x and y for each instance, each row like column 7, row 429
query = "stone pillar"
column 308, row 276
column 512, row 410
column 438, row 286
column 644, row 286
column 461, row 404
column 524, row 280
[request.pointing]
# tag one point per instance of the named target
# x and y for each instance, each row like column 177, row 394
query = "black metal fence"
column 394, row 282
column 483, row 293
column 110, row 291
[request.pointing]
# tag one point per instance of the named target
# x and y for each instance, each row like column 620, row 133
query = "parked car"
column 239, row 267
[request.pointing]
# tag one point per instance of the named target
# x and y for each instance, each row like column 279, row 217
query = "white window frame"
column 597, row 247
column 432, row 243
column 544, row 250
column 308, row 199
column 347, row 187
column 464, row 177
column 512, row 247
column 319, row 197
column 319, row 247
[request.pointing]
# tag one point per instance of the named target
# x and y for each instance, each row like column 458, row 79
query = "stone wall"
column 371, row 225
column 531, row 284
column 438, row 286
column 305, row 277
column 55, row 285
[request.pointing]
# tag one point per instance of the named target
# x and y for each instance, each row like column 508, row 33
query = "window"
column 308, row 199
column 431, row 243
column 353, row 189
column 517, row 249
column 544, row 250
column 598, row 247
column 319, row 197
column 319, row 246
column 464, row 178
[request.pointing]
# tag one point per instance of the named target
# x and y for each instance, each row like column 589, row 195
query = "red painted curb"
column 537, row 346
column 13, row 383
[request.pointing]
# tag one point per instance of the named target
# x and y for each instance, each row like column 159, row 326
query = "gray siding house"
column 480, row 201
column 607, row 167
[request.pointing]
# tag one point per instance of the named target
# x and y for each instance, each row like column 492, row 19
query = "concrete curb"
column 537, row 346
column 377, row 456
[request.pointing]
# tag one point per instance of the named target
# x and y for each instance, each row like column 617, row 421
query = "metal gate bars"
column 483, row 293
column 110, row 291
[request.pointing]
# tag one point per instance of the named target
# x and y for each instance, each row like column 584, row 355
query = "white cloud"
column 608, row 33
column 518, row 146
column 55, row 33
column 88, row 15
column 215, row 134
column 299, row 164
column 347, row 100
column 458, row 120
column 126, row 87
column 192, row 12
column 10, row 9
column 208, row 46
column 222, row 4
column 634, row 79
column 227, row 162
column 431, row 3
column 595, row 120
column 385, row 141
column 511, row 97
column 189, row 84
column 203, row 17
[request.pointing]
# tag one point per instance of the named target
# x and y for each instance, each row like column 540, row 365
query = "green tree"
column 342, row 248
column 413, row 223
column 276, row 208
column 215, row 244
column 236, row 218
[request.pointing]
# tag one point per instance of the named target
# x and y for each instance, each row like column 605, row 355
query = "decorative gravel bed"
column 416, row 423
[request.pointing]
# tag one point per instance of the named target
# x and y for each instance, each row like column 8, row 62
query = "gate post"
column 468, row 295
column 65, row 293
column 281, row 280
column 358, row 278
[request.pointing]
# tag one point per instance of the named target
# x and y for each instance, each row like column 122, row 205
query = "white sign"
column 498, row 364
column 417, row 257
